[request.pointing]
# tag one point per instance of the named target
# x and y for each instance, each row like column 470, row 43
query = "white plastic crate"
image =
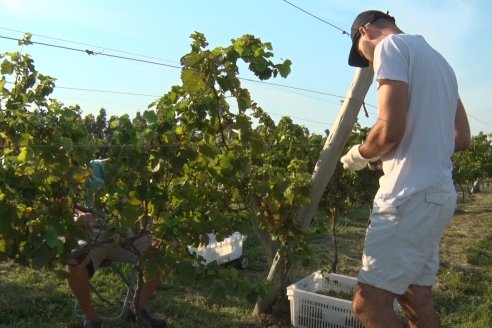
column 309, row 309
column 228, row 250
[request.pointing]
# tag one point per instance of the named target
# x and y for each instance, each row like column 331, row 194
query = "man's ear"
column 369, row 32
column 362, row 30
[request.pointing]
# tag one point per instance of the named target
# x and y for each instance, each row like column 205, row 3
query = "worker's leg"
column 419, row 307
column 78, row 281
column 374, row 307
column 148, row 290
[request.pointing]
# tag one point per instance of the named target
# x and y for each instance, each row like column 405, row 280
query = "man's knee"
column 359, row 302
column 417, row 301
column 417, row 296
column 156, row 278
column 358, row 305
column 75, row 265
column 368, row 298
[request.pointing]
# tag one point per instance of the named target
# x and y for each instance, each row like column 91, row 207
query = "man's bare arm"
column 462, row 136
column 390, row 126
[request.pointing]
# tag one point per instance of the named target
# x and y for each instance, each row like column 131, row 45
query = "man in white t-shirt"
column 421, row 123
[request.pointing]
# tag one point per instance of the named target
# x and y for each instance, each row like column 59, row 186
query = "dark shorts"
column 109, row 252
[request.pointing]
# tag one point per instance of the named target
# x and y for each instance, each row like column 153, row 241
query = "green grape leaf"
column 51, row 237
column 25, row 154
column 192, row 81
column 7, row 67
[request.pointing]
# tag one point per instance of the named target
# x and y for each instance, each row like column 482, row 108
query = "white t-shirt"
column 423, row 157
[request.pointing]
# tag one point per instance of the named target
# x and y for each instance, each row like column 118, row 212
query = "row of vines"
column 204, row 157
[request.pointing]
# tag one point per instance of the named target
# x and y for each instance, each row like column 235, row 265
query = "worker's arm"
column 390, row 126
column 462, row 136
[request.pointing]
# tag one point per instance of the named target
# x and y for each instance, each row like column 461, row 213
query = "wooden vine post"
column 335, row 143
column 325, row 166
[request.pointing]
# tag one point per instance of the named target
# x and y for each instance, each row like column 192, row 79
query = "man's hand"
column 354, row 161
column 85, row 219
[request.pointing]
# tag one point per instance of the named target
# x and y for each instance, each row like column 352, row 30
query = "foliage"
column 226, row 173
column 462, row 295
column 44, row 148
column 475, row 163
column 347, row 189
column 189, row 164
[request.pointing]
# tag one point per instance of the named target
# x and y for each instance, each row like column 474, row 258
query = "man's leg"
column 78, row 281
column 144, row 315
column 374, row 307
column 148, row 290
column 419, row 307
column 142, row 245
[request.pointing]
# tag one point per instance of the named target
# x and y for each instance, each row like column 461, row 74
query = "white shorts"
column 119, row 254
column 402, row 242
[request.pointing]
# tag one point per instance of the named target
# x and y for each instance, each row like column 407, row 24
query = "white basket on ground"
column 229, row 250
column 311, row 309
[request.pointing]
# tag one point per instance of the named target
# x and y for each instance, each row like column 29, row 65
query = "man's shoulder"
column 98, row 167
column 98, row 162
column 402, row 39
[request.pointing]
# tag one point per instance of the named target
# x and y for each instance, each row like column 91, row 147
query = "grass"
column 463, row 294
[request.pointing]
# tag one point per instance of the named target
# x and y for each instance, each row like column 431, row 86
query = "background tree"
column 472, row 166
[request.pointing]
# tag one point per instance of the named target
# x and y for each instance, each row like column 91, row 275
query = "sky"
column 159, row 31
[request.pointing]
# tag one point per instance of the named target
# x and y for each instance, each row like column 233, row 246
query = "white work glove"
column 354, row 161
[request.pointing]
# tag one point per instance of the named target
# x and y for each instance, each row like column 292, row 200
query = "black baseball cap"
column 364, row 18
